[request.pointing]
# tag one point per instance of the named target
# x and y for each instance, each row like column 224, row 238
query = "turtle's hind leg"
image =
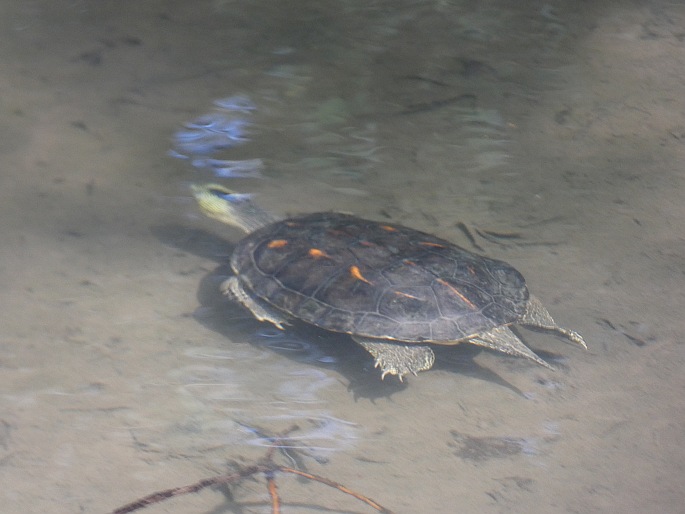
column 504, row 340
column 398, row 359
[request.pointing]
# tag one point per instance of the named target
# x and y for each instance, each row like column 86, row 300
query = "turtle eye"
column 228, row 196
column 237, row 197
column 218, row 192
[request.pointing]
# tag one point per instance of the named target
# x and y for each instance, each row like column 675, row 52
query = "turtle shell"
column 366, row 278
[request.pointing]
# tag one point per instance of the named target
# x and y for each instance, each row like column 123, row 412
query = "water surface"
column 554, row 132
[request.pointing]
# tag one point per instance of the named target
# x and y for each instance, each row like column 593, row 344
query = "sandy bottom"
column 555, row 135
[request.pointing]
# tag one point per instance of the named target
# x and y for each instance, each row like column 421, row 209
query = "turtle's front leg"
column 260, row 310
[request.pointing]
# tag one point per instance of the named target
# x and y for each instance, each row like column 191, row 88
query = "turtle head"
column 230, row 207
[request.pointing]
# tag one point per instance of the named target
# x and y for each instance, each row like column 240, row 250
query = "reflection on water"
column 318, row 434
column 287, row 343
column 225, row 128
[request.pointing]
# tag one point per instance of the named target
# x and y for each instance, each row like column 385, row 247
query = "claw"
column 391, row 371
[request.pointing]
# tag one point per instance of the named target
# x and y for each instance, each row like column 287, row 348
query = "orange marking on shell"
column 318, row 254
column 406, row 295
column 356, row 273
column 408, row 262
column 432, row 245
column 277, row 243
column 457, row 292
column 388, row 228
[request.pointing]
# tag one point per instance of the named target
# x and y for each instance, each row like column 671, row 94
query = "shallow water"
column 553, row 133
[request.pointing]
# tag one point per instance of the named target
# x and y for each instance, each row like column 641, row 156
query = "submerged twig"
column 266, row 466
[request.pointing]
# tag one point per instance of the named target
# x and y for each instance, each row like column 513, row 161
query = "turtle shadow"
column 302, row 342
column 460, row 360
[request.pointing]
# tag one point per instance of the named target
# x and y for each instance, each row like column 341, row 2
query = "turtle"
column 395, row 290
